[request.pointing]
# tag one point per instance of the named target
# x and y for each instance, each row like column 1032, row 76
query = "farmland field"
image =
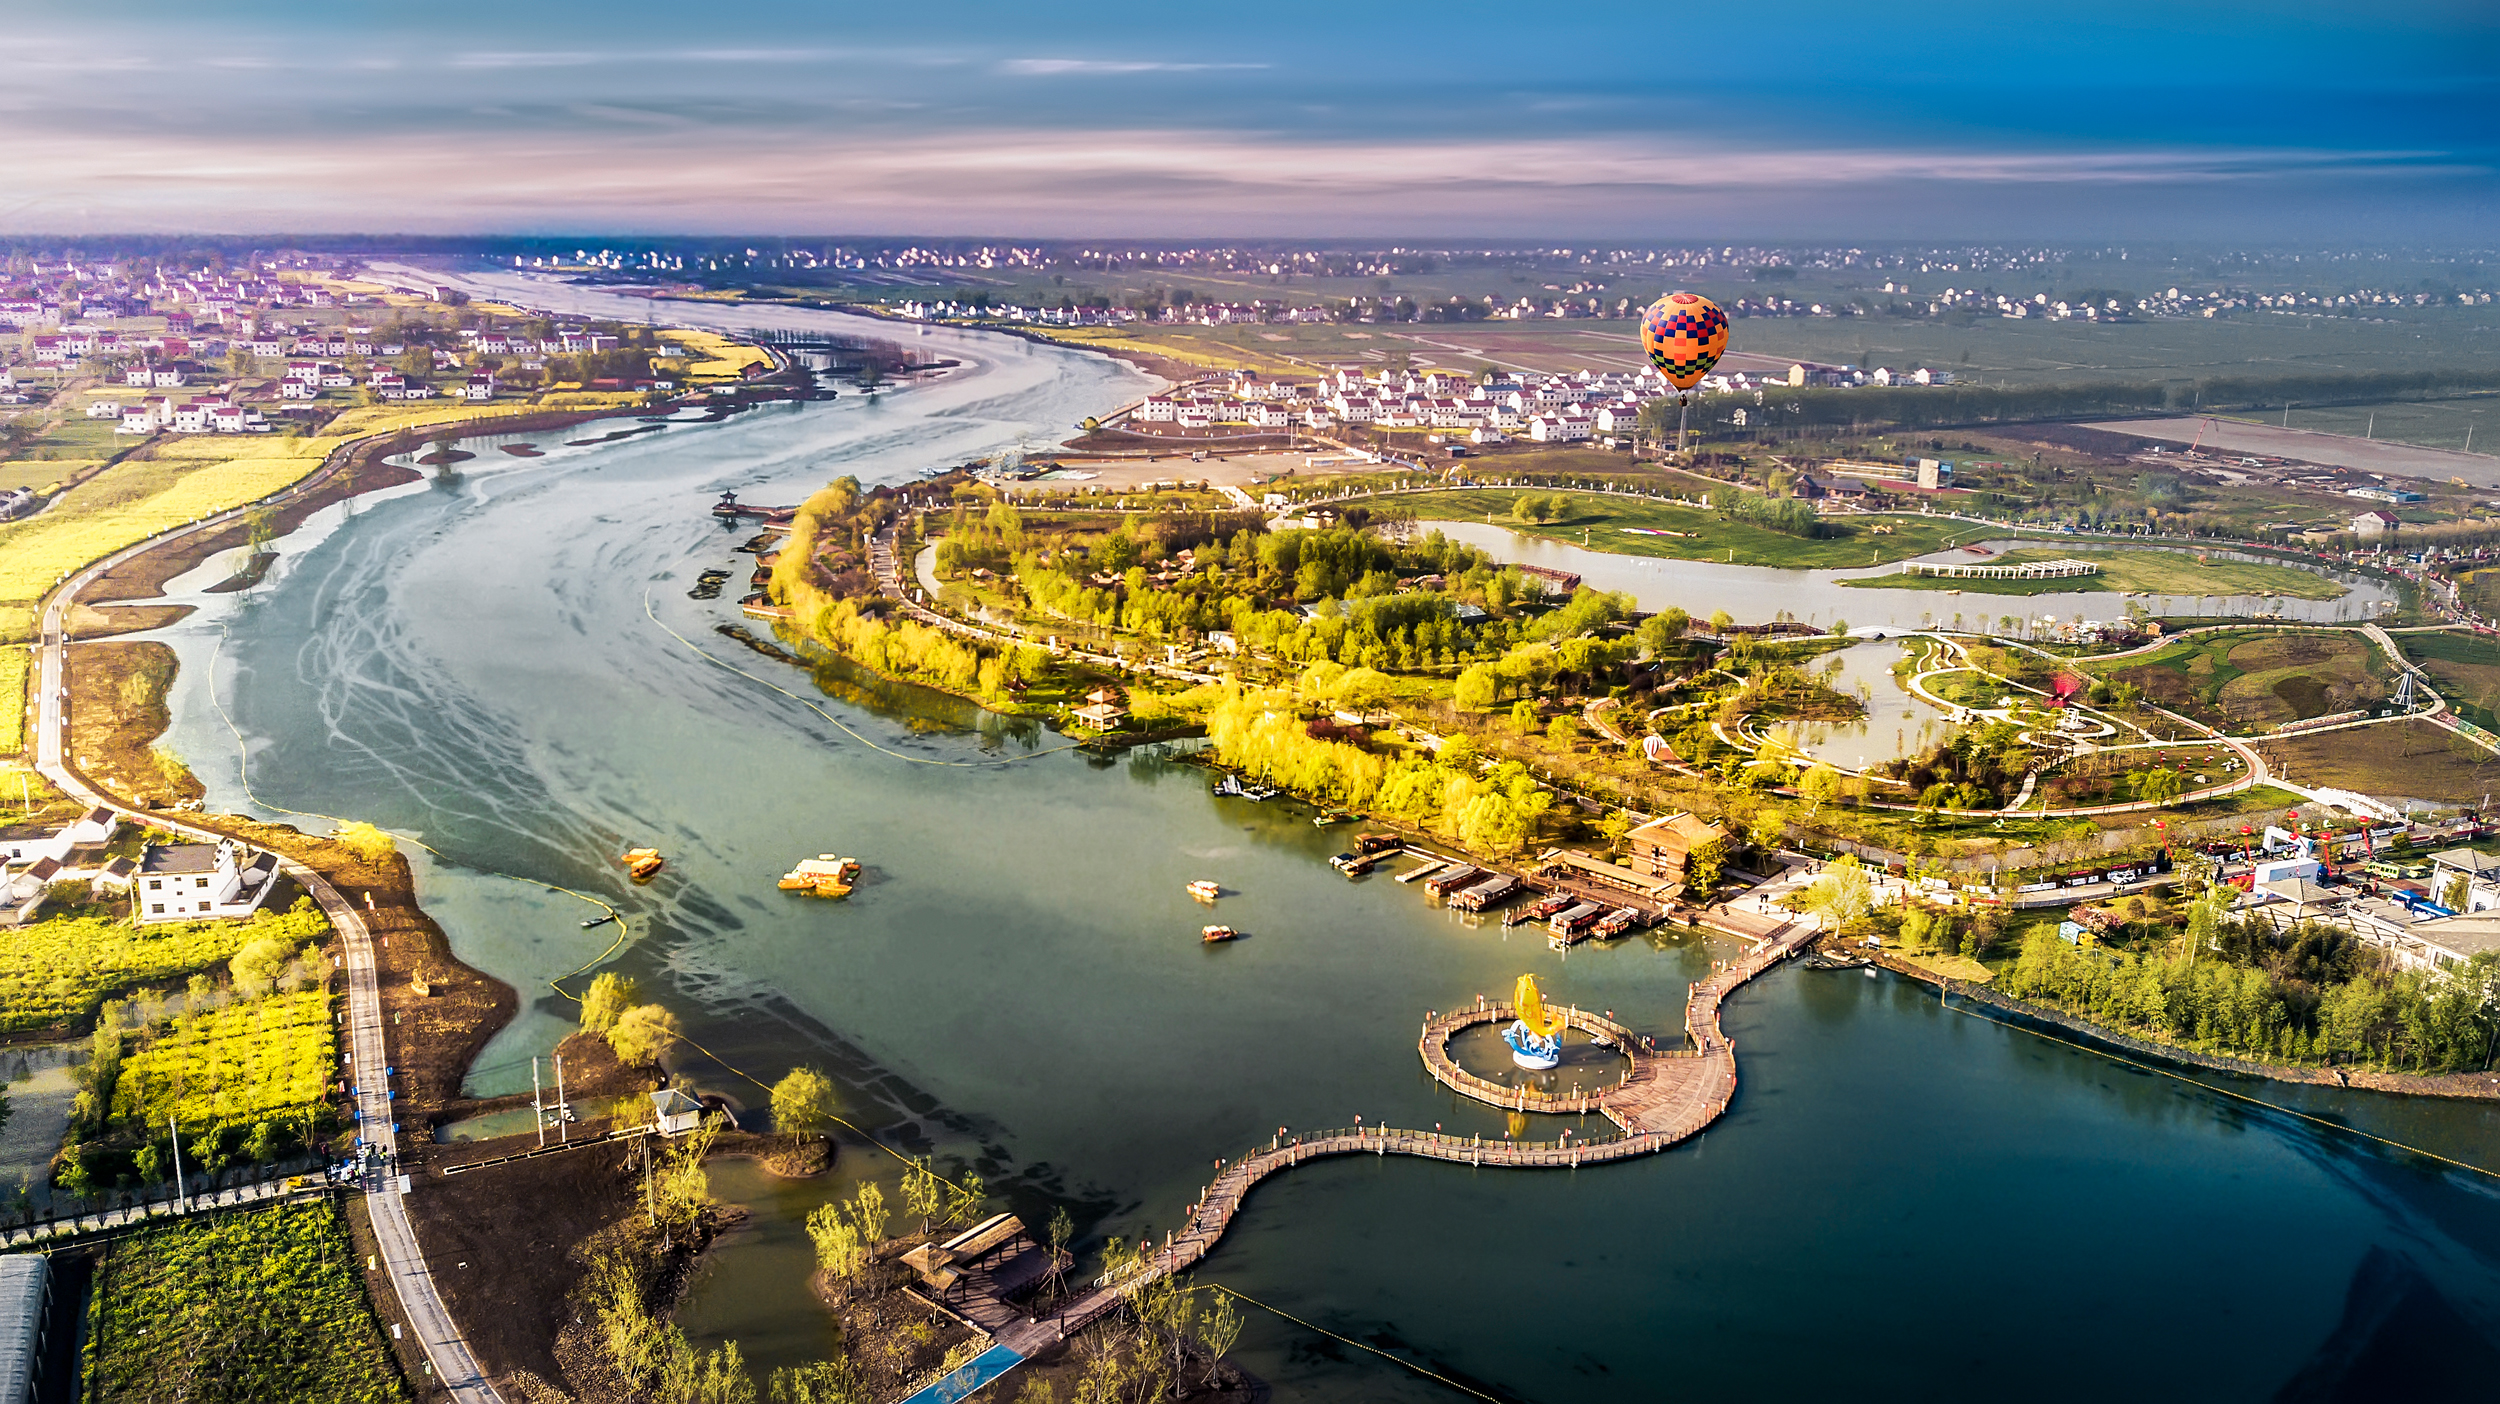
column 2178, row 573
column 57, row 971
column 241, row 1063
column 264, row 1305
column 1709, row 536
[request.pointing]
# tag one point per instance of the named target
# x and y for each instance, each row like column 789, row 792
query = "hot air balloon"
column 1685, row 334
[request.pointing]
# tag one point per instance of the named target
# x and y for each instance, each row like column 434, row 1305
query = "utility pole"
column 564, row 1109
column 181, row 1195
column 538, row 1109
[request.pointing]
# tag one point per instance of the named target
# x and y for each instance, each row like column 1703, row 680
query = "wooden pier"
column 1665, row 1098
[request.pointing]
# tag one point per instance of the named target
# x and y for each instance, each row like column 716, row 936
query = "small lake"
column 1755, row 594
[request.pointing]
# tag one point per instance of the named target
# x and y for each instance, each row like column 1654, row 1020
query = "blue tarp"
column 971, row 1375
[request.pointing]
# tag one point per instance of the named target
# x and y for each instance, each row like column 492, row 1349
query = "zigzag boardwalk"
column 1665, row 1098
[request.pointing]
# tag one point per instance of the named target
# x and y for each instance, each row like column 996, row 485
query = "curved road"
column 447, row 1353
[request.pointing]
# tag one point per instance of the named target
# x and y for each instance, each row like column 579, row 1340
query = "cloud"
column 666, row 175
column 1058, row 67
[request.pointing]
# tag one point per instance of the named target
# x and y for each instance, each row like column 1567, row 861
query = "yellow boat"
column 825, row 875
column 643, row 864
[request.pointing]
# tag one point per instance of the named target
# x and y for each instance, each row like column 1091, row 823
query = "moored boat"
column 825, row 875
column 643, row 864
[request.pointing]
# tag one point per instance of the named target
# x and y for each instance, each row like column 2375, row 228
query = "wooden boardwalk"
column 1665, row 1098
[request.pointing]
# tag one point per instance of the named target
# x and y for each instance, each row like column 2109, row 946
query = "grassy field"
column 15, row 665
column 2470, row 423
column 263, row 1305
column 2400, row 760
column 2464, row 667
column 1859, row 541
column 57, row 971
column 2178, row 573
column 241, row 1063
column 2251, row 679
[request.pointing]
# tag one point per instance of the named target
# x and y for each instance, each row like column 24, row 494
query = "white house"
column 2375, row 522
column 192, row 881
column 25, row 843
column 675, row 1112
column 104, row 409
column 1559, row 428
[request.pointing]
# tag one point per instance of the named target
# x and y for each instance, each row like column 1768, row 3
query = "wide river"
column 1904, row 1201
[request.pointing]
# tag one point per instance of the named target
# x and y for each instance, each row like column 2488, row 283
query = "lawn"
column 264, row 1305
column 2247, row 679
column 56, row 971
column 239, row 1064
column 2154, row 572
column 1601, row 521
column 2465, row 668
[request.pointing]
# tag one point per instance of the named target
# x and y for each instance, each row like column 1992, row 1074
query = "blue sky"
column 2282, row 121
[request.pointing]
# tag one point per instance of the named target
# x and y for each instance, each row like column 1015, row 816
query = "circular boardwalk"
column 1663, row 1098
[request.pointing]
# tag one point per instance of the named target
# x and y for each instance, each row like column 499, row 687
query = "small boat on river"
column 1215, row 935
column 1206, row 889
column 825, row 875
column 643, row 864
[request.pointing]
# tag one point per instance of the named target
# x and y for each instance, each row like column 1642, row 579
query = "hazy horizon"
column 2218, row 122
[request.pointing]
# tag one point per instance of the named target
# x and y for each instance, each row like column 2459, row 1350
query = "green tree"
column 924, row 1194
column 609, row 996
column 1843, row 895
column 803, row 1103
column 1659, row 630
column 1820, row 784
column 822, row 1382
column 1523, row 717
column 365, row 841
column 643, row 1034
column 1703, row 863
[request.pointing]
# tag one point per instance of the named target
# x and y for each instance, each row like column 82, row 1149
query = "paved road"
column 446, row 1352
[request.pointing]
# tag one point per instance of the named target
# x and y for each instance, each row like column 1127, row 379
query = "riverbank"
column 2477, row 1085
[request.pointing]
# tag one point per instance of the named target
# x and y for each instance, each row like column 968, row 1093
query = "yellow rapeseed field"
column 722, row 359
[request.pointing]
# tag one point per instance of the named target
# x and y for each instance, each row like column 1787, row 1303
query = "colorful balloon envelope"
column 1685, row 334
